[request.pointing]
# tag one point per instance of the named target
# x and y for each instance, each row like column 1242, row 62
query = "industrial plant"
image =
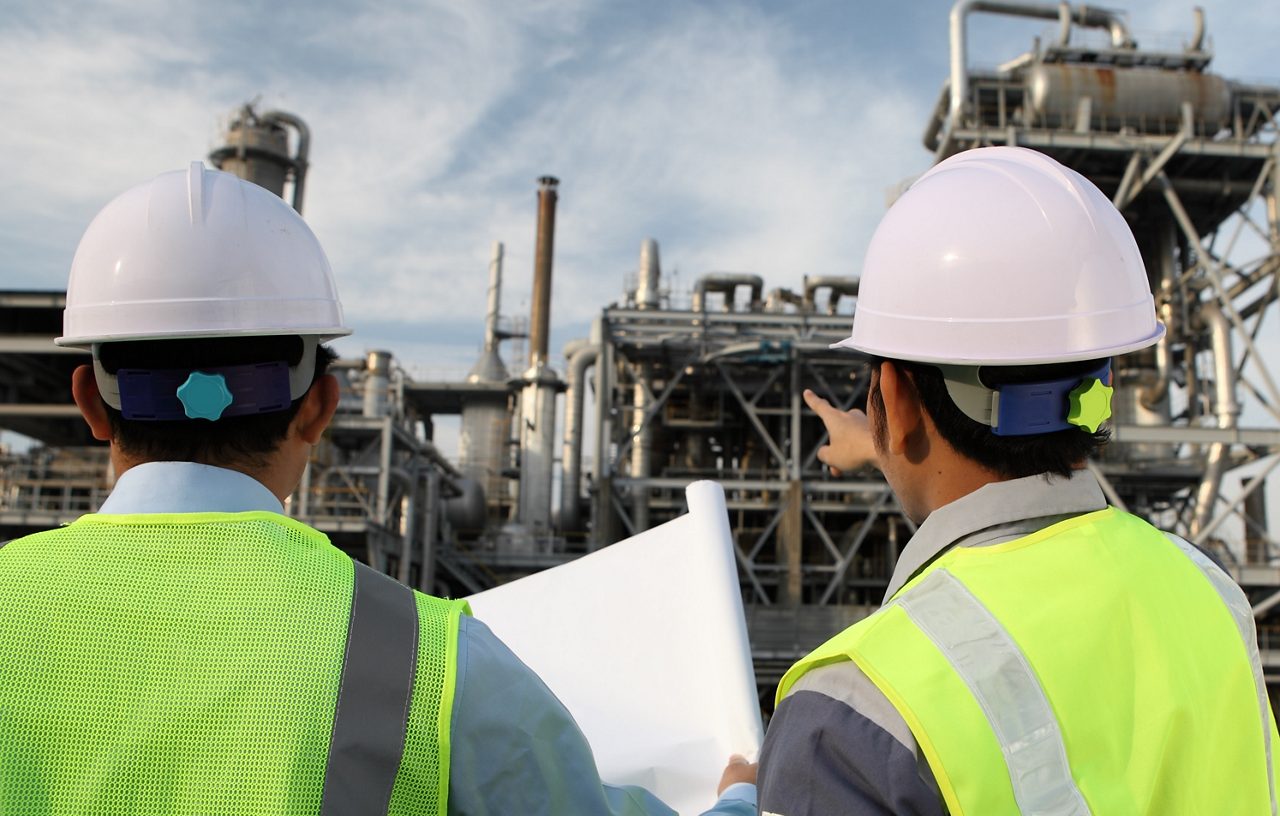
column 672, row 387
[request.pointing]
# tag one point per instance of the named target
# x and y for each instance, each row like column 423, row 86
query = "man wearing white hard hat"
column 191, row 649
column 1037, row 651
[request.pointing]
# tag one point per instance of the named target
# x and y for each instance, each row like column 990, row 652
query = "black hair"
column 241, row 440
column 1012, row 457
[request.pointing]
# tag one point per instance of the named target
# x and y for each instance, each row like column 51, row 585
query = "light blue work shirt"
column 516, row 749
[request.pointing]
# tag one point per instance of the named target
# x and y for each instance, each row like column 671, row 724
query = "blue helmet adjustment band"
column 1026, row 408
column 300, row 377
column 212, row 393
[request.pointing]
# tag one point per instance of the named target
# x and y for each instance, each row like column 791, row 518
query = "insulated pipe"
column 840, row 286
column 300, row 157
column 571, row 454
column 408, row 529
column 430, row 528
column 777, row 300
column 641, row 444
column 650, row 272
column 727, row 283
column 602, row 516
column 1197, row 37
column 537, row 446
column 377, row 383
column 539, row 322
column 1227, row 409
column 495, row 296
column 1154, row 395
column 1080, row 15
column 1151, row 397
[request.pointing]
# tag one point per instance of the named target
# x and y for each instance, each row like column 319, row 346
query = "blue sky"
column 743, row 136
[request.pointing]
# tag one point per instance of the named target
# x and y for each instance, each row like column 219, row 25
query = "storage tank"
column 1146, row 99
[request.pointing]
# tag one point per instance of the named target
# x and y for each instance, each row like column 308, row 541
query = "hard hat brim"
column 1011, row 358
column 325, row 334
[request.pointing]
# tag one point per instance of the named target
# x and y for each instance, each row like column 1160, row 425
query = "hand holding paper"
column 738, row 770
column 646, row 644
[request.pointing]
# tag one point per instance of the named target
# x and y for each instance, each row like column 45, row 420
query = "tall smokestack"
column 495, row 294
column 539, row 323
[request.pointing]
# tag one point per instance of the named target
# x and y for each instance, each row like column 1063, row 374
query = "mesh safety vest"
column 217, row 663
column 1096, row 666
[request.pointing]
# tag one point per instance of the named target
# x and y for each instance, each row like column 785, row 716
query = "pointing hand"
column 851, row 445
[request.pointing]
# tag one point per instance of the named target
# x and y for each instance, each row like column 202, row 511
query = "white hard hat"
column 199, row 254
column 1002, row 256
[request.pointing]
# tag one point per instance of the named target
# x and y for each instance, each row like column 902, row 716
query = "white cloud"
column 698, row 127
column 712, row 127
column 84, row 113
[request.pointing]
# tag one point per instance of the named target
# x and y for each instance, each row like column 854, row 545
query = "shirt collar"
column 186, row 487
column 992, row 507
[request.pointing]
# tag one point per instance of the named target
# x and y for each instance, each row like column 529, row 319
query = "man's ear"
column 84, row 390
column 317, row 410
column 903, row 413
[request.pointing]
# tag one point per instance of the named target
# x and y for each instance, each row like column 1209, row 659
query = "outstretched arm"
column 851, row 444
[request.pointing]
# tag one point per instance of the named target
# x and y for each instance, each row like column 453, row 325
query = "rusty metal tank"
column 1142, row 98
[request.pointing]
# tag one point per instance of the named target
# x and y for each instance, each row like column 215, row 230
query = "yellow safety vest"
column 230, row 663
column 1096, row 666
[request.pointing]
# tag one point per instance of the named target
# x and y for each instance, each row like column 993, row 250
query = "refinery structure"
column 553, row 463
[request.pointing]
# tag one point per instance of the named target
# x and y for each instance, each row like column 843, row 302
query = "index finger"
column 818, row 405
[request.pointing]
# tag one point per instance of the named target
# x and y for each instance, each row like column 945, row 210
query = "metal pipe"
column 408, row 528
column 726, row 283
column 777, row 300
column 537, row 447
column 1064, row 24
column 571, row 455
column 602, row 516
column 840, row 286
column 299, row 157
column 384, row 477
column 647, row 296
column 1084, row 16
column 430, row 526
column 1227, row 409
column 1153, row 396
column 540, row 321
column 1197, row 37
column 377, row 383
column 495, row 297
column 1249, row 490
column 641, row 443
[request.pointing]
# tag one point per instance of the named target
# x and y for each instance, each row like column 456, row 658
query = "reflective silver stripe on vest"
column 373, row 699
column 985, row 657
column 1242, row 612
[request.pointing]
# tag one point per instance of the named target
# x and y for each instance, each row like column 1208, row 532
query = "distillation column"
column 483, row 452
column 257, row 150
column 647, row 297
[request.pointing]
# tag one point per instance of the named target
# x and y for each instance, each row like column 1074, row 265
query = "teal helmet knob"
column 205, row 396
